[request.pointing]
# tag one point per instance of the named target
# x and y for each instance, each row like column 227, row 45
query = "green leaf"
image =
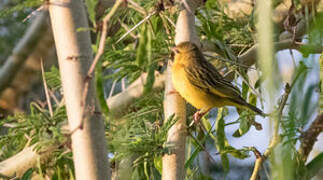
column 53, row 78
column 225, row 162
column 245, row 89
column 158, row 164
column 144, row 57
column 221, row 138
column 100, row 88
column 91, row 4
column 28, row 174
column 142, row 54
column 192, row 157
column 244, row 126
column 22, row 5
column 315, row 165
column 150, row 79
column 206, row 123
column 237, row 153
column 219, row 128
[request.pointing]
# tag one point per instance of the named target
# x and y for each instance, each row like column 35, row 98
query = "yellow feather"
column 199, row 83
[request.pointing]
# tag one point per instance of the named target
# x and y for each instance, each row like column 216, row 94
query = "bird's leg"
column 199, row 114
column 172, row 92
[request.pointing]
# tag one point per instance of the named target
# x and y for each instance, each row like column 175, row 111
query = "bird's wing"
column 204, row 76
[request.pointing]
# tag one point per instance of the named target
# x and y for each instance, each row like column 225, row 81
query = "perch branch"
column 174, row 104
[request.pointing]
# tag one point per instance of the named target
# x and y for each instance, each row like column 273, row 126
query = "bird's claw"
column 197, row 117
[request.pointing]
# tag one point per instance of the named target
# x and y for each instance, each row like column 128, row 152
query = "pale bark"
column 75, row 57
column 17, row 165
column 173, row 164
column 118, row 104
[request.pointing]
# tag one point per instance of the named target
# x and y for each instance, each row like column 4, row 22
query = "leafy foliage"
column 139, row 136
column 39, row 127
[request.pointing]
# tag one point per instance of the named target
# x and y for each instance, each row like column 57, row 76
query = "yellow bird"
column 200, row 84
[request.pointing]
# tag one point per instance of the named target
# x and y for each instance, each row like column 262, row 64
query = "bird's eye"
column 172, row 54
column 175, row 50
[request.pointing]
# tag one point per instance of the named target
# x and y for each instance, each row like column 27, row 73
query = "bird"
column 201, row 85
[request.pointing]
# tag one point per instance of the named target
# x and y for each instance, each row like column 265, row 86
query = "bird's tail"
column 255, row 109
column 240, row 102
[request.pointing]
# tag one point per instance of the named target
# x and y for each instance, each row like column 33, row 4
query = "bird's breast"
column 197, row 97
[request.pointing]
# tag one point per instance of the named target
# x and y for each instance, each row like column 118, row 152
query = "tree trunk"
column 75, row 57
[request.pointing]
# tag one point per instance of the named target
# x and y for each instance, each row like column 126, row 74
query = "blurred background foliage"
column 138, row 137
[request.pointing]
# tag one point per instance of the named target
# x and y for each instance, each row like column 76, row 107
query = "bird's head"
column 185, row 47
column 184, row 51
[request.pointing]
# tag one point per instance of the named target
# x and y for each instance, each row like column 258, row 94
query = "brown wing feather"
column 204, row 75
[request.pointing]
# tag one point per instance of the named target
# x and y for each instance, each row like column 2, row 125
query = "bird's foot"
column 197, row 116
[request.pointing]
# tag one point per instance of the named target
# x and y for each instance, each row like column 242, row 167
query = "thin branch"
column 137, row 25
column 46, row 89
column 97, row 57
column 276, row 138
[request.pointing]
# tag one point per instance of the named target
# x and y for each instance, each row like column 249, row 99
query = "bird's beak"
column 175, row 50
column 173, row 53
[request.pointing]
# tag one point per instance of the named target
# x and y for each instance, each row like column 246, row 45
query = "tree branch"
column 119, row 103
column 18, row 164
column 20, row 53
column 275, row 139
column 98, row 55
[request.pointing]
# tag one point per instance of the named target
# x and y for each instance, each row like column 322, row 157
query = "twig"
column 170, row 21
column 230, row 61
column 46, row 88
column 126, row 28
column 97, row 57
column 276, row 138
column 112, row 89
column 133, row 28
column 281, row 107
column 136, row 7
column 33, row 13
column 52, row 95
